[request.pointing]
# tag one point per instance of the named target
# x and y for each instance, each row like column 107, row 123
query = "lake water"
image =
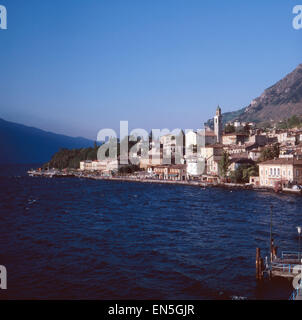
column 67, row 238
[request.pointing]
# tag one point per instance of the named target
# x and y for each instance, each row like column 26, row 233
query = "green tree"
column 270, row 153
column 224, row 164
column 243, row 173
column 293, row 121
column 70, row 158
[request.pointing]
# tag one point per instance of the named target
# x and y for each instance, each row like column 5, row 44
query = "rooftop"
column 285, row 161
column 236, row 134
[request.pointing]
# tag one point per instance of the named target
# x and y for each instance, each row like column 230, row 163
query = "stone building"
column 281, row 171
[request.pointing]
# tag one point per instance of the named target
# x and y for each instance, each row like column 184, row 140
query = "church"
column 218, row 125
column 214, row 137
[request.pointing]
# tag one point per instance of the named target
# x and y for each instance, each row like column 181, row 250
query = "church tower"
column 218, row 125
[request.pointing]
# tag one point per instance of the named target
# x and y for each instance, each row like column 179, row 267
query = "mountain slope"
column 280, row 101
column 23, row 144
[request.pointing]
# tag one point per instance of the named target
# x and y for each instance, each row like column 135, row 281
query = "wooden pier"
column 287, row 266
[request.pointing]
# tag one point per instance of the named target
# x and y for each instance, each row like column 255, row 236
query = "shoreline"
column 229, row 186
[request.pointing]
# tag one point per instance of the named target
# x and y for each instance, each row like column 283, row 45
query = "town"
column 237, row 154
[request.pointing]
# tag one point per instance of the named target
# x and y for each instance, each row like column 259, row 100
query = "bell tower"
column 218, row 125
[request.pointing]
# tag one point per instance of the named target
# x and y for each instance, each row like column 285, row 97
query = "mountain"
column 279, row 102
column 23, row 144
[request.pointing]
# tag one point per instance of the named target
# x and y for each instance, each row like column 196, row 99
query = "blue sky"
column 75, row 67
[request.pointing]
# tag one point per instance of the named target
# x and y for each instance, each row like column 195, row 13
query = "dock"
column 286, row 266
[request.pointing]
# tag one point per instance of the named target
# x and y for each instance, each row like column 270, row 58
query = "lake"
column 70, row 238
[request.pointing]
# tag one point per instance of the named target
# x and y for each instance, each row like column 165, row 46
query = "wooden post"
column 259, row 264
column 271, row 234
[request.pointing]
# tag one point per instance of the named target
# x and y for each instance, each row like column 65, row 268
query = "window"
column 271, row 171
column 297, row 173
column 274, row 171
column 278, row 171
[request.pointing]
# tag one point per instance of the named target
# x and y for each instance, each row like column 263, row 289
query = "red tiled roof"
column 239, row 155
column 210, row 134
column 283, row 161
column 236, row 134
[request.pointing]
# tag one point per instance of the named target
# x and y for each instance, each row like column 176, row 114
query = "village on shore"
column 240, row 154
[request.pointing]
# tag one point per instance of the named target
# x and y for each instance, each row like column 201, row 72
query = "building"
column 288, row 137
column 210, row 137
column 107, row 165
column 218, row 125
column 154, row 157
column 86, row 165
column 234, row 138
column 168, row 141
column 202, row 137
column 175, row 172
column 195, row 167
column 172, row 147
column 254, row 154
column 190, row 139
column 212, row 155
column 160, row 172
column 262, row 139
column 98, row 165
column 255, row 181
column 235, row 149
column 281, row 171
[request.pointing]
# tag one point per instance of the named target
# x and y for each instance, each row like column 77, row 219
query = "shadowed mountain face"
column 22, row 144
column 280, row 101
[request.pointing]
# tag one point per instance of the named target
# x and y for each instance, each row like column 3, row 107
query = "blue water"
column 68, row 238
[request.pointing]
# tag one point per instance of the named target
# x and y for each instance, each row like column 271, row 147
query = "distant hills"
column 279, row 102
column 23, row 144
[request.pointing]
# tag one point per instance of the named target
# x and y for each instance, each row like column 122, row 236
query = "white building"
column 195, row 167
column 86, row 165
column 190, row 139
column 100, row 165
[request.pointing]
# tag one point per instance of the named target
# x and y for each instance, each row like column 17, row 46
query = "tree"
column 224, row 164
column 70, row 158
column 293, row 121
column 270, row 153
column 243, row 173
column 128, row 169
